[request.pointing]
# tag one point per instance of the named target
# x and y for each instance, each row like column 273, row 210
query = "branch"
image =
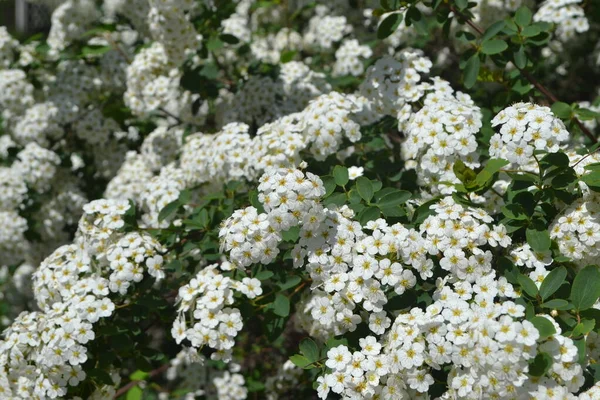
column 544, row 90
column 132, row 384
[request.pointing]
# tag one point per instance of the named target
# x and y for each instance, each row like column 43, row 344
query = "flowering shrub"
column 276, row 199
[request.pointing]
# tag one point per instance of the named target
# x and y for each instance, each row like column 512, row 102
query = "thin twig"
column 151, row 374
column 544, row 90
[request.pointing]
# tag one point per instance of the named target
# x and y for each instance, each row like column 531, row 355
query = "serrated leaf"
column 552, row 282
column 586, row 288
column 494, row 46
column 544, row 327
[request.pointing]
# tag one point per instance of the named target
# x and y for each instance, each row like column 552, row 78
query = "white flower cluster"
column 440, row 133
column 69, row 21
column 577, row 230
column 286, row 379
column 290, row 198
column 45, row 349
column 525, row 127
column 170, row 26
column 7, row 47
column 392, row 83
column 347, row 58
column 210, row 295
column 567, row 15
column 16, row 94
column 262, row 99
column 325, row 29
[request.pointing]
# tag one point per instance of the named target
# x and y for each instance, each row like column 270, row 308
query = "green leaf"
column 389, row 25
column 263, row 275
column 523, row 16
column 213, row 44
column 168, row 210
column 557, row 304
column 329, row 184
column 491, row 168
column 528, row 285
column 592, row 178
column 584, row 327
column 309, row 349
column 365, row 188
column 290, row 282
column 228, row 38
column 587, row 114
column 544, row 327
column 287, row 56
column 471, row 71
column 552, row 282
column 394, row 199
column 494, row 46
column 299, row 360
column 561, row 110
column 586, row 288
column 539, row 240
column 493, row 30
column 95, row 50
column 531, row 31
column 138, row 375
column 340, row 175
column 540, row 364
column 368, row 214
column 281, row 305
column 520, row 58
column 135, row 393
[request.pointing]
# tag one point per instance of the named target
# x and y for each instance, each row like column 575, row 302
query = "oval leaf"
column 586, row 288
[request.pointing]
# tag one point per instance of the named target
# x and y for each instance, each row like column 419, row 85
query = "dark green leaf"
column 168, row 210
column 365, row 188
column 368, row 214
column 494, row 46
column 544, row 327
column 586, row 288
column 557, row 304
column 523, row 16
column 471, row 71
column 393, row 199
column 540, row 364
column 539, row 240
column 281, row 305
column 340, row 174
column 528, row 285
column 299, row 360
column 493, row 30
column 562, row 110
column 520, row 58
column 584, row 327
column 309, row 349
column 389, row 25
column 552, row 282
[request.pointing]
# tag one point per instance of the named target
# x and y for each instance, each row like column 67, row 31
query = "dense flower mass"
column 247, row 199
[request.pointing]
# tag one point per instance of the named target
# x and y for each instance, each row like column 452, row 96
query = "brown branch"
column 132, row 384
column 538, row 85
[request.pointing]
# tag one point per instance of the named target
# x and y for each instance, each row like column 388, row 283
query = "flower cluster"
column 525, row 127
column 210, row 295
column 440, row 133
